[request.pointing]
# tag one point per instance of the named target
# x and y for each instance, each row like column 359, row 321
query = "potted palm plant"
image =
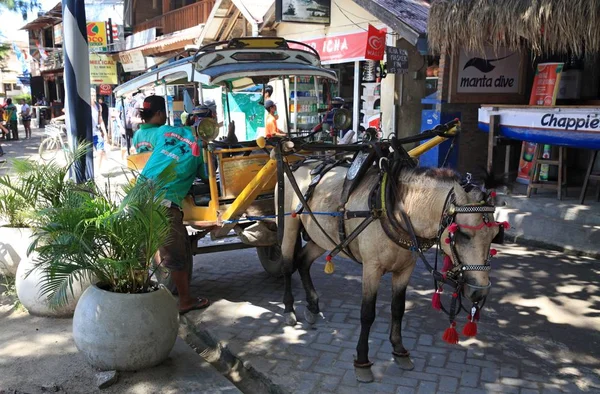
column 124, row 321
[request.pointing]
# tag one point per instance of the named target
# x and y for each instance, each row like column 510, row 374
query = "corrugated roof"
column 407, row 17
column 46, row 19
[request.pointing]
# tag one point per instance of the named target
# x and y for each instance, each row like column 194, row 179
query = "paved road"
column 540, row 331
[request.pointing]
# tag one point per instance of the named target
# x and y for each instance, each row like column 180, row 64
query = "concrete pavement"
column 38, row 355
column 539, row 332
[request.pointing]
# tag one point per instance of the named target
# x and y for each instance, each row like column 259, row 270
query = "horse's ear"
column 491, row 182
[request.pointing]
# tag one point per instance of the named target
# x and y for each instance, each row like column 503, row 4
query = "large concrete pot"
column 28, row 291
column 14, row 242
column 125, row 332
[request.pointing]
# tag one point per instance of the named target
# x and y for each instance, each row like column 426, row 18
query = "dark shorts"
column 176, row 254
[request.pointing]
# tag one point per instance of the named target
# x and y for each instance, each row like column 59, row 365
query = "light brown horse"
column 422, row 195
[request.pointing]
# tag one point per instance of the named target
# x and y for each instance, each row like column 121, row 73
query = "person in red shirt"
column 271, row 129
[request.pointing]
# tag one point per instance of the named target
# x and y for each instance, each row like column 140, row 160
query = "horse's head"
column 469, row 230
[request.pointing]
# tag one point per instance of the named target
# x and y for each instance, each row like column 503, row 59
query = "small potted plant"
column 124, row 321
column 28, row 189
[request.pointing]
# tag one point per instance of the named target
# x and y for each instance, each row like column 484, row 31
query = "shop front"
column 534, row 90
column 346, row 48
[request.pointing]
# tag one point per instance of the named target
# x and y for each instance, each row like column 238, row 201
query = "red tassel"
column 447, row 241
column 453, row 228
column 195, row 149
column 450, row 335
column 294, row 214
column 470, row 329
column 436, row 302
column 493, row 252
column 447, row 264
column 506, row 225
column 493, row 194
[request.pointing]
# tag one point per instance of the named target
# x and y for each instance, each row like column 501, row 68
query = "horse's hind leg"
column 310, row 252
column 399, row 284
column 370, row 284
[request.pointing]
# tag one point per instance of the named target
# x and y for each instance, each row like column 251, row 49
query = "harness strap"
column 343, row 246
column 318, row 173
column 294, row 185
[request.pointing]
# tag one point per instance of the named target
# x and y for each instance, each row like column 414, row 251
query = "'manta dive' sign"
column 494, row 71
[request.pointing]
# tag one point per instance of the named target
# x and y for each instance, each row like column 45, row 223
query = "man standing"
column 132, row 119
column 26, row 118
column 174, row 149
column 271, row 129
column 11, row 114
column 98, row 128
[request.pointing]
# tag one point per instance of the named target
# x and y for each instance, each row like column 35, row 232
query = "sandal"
column 201, row 303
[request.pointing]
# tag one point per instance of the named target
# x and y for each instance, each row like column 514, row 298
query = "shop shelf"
column 304, row 98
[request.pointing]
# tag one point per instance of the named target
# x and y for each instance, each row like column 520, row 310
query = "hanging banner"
column 96, row 32
column 132, row 61
column 103, row 70
column 543, row 93
column 375, row 48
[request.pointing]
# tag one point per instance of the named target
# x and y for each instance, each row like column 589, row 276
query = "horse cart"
column 296, row 197
column 238, row 197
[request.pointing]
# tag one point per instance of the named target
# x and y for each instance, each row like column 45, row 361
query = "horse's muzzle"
column 476, row 293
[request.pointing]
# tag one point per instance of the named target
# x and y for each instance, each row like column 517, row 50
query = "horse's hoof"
column 403, row 361
column 290, row 318
column 364, row 375
column 310, row 317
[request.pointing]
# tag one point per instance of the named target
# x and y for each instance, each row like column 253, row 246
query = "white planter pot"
column 125, row 332
column 28, row 291
column 14, row 242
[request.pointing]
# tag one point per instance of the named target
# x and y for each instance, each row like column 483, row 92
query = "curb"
column 241, row 373
column 519, row 239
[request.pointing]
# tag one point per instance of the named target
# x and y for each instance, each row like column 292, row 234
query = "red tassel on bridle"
column 451, row 335
column 447, row 264
column 436, row 302
column 470, row 329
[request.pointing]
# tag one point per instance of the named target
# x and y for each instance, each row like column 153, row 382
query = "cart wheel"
column 270, row 258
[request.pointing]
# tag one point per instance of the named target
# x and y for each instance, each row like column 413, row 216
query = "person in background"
column 26, row 118
column 271, row 129
column 144, row 139
column 104, row 113
column 98, row 128
column 173, row 148
column 268, row 92
column 132, row 119
column 11, row 115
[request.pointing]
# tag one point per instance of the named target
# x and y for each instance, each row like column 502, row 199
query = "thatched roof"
column 549, row 26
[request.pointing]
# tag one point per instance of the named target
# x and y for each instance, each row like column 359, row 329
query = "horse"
column 438, row 207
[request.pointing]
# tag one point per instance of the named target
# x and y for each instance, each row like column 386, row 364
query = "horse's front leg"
column 288, row 248
column 310, row 252
column 370, row 284
column 399, row 285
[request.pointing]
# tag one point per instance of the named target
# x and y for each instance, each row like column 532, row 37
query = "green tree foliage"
column 22, row 6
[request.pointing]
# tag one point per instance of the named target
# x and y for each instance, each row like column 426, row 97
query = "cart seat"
column 200, row 192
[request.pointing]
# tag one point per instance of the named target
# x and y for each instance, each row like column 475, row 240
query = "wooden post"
column 166, row 6
column 494, row 124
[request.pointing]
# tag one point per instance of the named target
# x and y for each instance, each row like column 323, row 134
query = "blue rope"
column 255, row 218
